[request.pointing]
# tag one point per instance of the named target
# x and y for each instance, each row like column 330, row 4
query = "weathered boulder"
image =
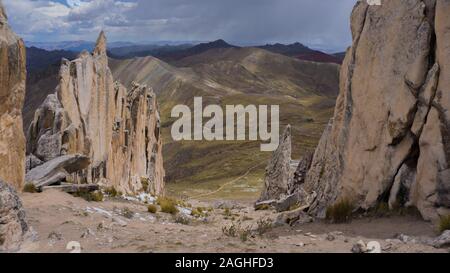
column 90, row 114
column 13, row 225
column 278, row 171
column 57, row 170
column 12, row 94
column 389, row 138
column 443, row 240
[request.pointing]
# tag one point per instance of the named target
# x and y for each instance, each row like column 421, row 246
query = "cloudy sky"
column 314, row 22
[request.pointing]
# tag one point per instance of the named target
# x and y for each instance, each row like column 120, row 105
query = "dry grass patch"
column 168, row 205
column 340, row 212
column 444, row 223
column 30, row 188
column 152, row 209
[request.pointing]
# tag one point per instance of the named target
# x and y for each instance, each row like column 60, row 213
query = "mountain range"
column 222, row 74
column 228, row 75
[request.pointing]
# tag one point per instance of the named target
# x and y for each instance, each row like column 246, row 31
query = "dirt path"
column 59, row 219
column 226, row 184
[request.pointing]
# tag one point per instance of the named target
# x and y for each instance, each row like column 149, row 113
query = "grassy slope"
column 305, row 92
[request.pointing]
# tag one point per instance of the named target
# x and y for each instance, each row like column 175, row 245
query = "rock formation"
column 389, row 139
column 13, row 225
column 91, row 115
column 278, row 171
column 12, row 93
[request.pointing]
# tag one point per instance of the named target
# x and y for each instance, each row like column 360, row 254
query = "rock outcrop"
column 389, row 139
column 278, row 171
column 56, row 170
column 13, row 225
column 12, row 94
column 91, row 115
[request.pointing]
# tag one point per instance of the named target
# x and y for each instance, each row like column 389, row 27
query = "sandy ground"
column 58, row 218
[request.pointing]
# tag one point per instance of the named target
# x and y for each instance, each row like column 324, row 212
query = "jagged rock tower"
column 13, row 225
column 389, row 140
column 12, row 94
column 90, row 114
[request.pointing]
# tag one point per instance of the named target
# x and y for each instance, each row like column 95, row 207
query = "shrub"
column 96, row 196
column 236, row 230
column 30, row 188
column 200, row 212
column 264, row 226
column 341, row 212
column 167, row 205
column 181, row 219
column 127, row 213
column 263, row 207
column 145, row 183
column 444, row 223
column 152, row 208
column 111, row 191
column 227, row 212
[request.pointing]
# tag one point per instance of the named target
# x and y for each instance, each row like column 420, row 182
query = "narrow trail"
column 227, row 184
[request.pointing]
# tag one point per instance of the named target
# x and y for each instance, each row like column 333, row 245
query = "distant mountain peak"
column 220, row 43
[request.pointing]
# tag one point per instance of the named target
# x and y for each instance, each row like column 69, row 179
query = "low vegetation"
column 384, row 210
column 199, row 212
column 152, row 208
column 263, row 207
column 30, row 188
column 96, row 196
column 127, row 213
column 341, row 212
column 264, row 225
column 237, row 230
column 444, row 223
column 111, row 191
column 168, row 205
column 145, row 183
column 181, row 219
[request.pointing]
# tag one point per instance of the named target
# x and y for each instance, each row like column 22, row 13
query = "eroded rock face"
column 389, row 138
column 12, row 93
column 90, row 114
column 278, row 171
column 13, row 225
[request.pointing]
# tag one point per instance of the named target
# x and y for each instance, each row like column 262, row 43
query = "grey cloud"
column 321, row 22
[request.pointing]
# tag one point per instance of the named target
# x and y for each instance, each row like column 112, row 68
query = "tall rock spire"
column 12, row 93
column 389, row 140
column 13, row 225
column 100, row 46
column 118, row 129
column 278, row 169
